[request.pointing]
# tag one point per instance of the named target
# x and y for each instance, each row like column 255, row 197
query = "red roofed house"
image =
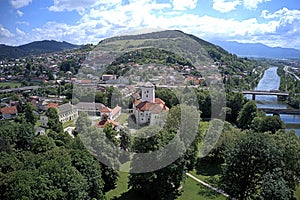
column 148, row 109
column 109, row 115
column 104, row 122
column 52, row 105
column 9, row 112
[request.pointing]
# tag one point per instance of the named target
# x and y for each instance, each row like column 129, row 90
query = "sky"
column 271, row 22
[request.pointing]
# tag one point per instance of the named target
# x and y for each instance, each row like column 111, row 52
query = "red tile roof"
column 9, row 110
column 52, row 105
column 106, row 110
column 156, row 107
column 103, row 123
column 116, row 110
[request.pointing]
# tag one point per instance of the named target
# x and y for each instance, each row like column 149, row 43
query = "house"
column 93, row 109
column 9, row 112
column 111, row 114
column 67, row 112
column 106, row 77
column 148, row 109
column 102, row 123
column 52, row 105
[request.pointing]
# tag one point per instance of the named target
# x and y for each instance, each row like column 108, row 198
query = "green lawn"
column 297, row 193
column 123, row 118
column 12, row 84
column 209, row 173
column 194, row 190
column 191, row 188
column 69, row 123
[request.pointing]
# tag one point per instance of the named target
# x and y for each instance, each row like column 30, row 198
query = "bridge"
column 278, row 111
column 261, row 92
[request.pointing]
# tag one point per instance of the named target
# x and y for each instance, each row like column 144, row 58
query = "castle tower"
column 148, row 92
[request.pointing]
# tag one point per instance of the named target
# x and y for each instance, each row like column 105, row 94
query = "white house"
column 147, row 109
column 67, row 112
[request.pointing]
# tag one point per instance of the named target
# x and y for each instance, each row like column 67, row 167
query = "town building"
column 67, row 112
column 147, row 109
column 8, row 112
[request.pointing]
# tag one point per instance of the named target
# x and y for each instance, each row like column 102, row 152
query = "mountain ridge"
column 258, row 50
column 34, row 48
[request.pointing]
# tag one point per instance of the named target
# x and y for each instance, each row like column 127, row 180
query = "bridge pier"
column 253, row 97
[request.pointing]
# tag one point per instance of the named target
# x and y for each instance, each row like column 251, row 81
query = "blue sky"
column 271, row 22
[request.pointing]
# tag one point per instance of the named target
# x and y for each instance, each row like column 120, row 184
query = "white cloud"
column 80, row 6
column 20, row 13
column 19, row 3
column 20, row 32
column 184, row 4
column 23, row 23
column 106, row 20
column 4, row 32
column 252, row 4
column 284, row 12
column 225, row 6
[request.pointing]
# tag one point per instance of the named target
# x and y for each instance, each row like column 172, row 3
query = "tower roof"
column 148, row 85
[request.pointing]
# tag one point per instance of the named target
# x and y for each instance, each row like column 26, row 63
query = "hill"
column 34, row 48
column 258, row 50
column 197, row 51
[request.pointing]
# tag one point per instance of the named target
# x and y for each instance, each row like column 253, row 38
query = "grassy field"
column 191, row 189
column 10, row 84
column 123, row 118
column 194, row 190
column 69, row 123
column 297, row 193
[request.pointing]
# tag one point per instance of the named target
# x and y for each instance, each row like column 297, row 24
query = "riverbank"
column 272, row 81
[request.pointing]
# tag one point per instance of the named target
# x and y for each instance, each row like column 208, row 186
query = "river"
column 271, row 81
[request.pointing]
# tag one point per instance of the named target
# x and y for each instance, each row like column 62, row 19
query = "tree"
column 165, row 181
column 41, row 144
column 247, row 114
column 29, row 114
column 82, row 122
column 53, row 120
column 267, row 123
column 90, row 169
column 235, row 102
column 258, row 165
column 111, row 134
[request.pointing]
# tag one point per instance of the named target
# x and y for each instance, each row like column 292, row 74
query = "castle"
column 147, row 109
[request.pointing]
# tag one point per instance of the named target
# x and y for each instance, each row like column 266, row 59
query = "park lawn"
column 69, row 123
column 123, row 118
column 12, row 84
column 194, row 190
column 191, row 189
column 209, row 173
column 297, row 193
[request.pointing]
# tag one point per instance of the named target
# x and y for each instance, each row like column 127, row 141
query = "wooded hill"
column 34, row 48
column 195, row 50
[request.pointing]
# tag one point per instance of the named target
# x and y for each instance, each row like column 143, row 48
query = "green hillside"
column 193, row 49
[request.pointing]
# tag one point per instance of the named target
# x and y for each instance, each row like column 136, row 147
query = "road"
column 286, row 69
column 207, row 185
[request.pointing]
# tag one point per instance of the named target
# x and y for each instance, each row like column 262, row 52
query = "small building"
column 106, row 77
column 93, row 109
column 111, row 114
column 9, row 112
column 67, row 112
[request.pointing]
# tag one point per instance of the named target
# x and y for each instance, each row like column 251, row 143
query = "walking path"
column 207, row 185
